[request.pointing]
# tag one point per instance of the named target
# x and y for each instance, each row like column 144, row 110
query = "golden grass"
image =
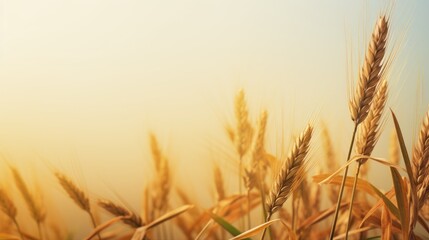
column 390, row 214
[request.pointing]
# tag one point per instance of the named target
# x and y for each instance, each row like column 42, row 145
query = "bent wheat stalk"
column 369, row 77
column 291, row 174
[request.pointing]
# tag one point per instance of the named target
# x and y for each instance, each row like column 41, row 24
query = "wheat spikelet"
column 156, row 152
column 331, row 161
column 369, row 130
column 132, row 219
column 220, row 190
column 394, row 153
column 6, row 205
column 36, row 211
column 162, row 182
column 421, row 161
column 371, row 72
column 291, row 173
column 162, row 186
column 258, row 153
column 244, row 131
column 74, row 192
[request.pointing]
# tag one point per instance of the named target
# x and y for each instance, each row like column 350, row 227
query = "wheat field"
column 311, row 188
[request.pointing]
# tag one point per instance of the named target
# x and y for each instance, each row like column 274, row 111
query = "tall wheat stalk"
column 360, row 103
column 242, row 136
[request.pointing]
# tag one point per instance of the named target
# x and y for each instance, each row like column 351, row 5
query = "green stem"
column 351, row 201
column 340, row 195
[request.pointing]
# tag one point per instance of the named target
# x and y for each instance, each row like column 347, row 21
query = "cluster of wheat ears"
column 359, row 210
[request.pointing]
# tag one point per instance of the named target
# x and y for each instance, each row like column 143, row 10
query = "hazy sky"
column 83, row 82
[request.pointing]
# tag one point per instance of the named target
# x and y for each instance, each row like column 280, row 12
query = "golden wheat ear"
column 369, row 131
column 35, row 209
column 132, row 219
column 291, row 174
column 371, row 72
column 420, row 164
column 244, row 130
column 6, row 205
column 78, row 196
column 219, row 184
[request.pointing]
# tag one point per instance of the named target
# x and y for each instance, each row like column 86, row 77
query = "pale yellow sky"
column 83, row 82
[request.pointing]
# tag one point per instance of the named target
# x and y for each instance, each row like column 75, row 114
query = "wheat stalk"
column 116, row 210
column 291, row 174
column 359, row 105
column 368, row 136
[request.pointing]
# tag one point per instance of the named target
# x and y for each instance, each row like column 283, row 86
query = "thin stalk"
column 39, row 229
column 18, row 228
column 293, row 210
column 249, row 224
column 351, row 201
column 94, row 224
column 265, row 229
column 340, row 195
column 240, row 190
column 263, row 201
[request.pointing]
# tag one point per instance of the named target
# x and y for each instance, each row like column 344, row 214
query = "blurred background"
column 83, row 83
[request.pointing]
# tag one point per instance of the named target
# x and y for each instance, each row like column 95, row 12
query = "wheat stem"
column 343, row 181
column 265, row 229
column 18, row 228
column 352, row 200
column 39, row 229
